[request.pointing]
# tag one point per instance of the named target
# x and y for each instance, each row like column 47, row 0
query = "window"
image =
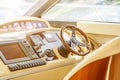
column 90, row 10
column 14, row 8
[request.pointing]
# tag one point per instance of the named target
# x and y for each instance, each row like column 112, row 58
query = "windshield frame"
column 100, row 17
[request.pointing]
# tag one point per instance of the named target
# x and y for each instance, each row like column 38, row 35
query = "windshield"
column 90, row 10
column 14, row 8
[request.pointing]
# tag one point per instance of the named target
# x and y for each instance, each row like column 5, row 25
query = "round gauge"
column 34, row 25
column 5, row 28
column 29, row 25
column 39, row 25
column 17, row 27
column 10, row 27
column 22, row 25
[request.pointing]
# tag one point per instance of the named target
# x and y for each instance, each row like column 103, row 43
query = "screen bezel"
column 17, row 59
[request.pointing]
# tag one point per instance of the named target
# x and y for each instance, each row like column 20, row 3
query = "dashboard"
column 30, row 52
column 36, row 52
column 23, row 24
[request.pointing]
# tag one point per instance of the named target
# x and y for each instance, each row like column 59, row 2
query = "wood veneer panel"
column 94, row 71
column 115, row 68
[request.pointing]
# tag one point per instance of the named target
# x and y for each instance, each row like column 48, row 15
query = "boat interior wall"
column 94, row 71
column 100, row 31
column 115, row 68
column 99, row 27
column 104, row 69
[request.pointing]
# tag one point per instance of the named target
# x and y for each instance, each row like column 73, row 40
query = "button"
column 26, row 64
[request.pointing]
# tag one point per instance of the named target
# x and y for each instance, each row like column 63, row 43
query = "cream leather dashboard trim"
column 24, row 19
column 6, row 74
column 99, row 28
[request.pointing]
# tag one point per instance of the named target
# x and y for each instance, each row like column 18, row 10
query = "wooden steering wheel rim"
column 68, row 47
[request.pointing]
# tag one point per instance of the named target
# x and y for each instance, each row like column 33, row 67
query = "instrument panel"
column 36, row 52
column 44, row 42
column 23, row 24
column 20, row 54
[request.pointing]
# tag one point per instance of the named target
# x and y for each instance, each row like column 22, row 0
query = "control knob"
column 49, row 54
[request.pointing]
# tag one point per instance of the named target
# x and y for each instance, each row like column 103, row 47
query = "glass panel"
column 14, row 8
column 90, row 10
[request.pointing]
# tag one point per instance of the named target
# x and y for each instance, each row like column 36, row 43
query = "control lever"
column 37, row 48
column 48, row 54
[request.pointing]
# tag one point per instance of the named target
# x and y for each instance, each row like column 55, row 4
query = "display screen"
column 12, row 51
column 49, row 36
column 36, row 39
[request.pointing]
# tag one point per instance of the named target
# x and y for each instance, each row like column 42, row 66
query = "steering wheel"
column 75, row 41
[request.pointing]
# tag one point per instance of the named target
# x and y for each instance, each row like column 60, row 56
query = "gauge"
column 29, row 25
column 10, row 27
column 34, row 25
column 44, row 25
column 5, row 28
column 22, row 25
column 39, row 25
column 17, row 27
